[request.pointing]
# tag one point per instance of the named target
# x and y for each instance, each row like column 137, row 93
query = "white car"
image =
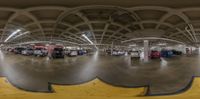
column 73, row 53
column 24, row 52
column 40, row 52
column 114, row 53
column 135, row 54
column 27, row 51
column 118, row 53
column 121, row 52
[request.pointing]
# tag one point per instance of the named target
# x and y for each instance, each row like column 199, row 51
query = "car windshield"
column 19, row 48
column 39, row 49
column 30, row 49
column 58, row 49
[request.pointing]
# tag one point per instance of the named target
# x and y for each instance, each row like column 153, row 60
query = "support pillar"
column 146, row 50
column 112, row 48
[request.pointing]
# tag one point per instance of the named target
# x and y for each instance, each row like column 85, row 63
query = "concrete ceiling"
column 123, row 3
column 104, row 21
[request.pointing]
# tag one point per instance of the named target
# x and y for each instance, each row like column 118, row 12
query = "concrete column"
column 111, row 48
column 146, row 50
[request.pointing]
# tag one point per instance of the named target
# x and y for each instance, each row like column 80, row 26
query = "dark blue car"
column 81, row 52
column 166, row 53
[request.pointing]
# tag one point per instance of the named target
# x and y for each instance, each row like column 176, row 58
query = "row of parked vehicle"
column 156, row 54
column 75, row 52
column 52, row 51
column 115, row 52
column 165, row 53
column 29, row 51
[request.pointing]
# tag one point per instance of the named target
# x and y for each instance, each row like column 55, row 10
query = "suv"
column 73, row 53
column 155, row 54
column 40, row 52
column 18, row 50
column 135, row 54
column 58, row 53
column 175, row 52
column 82, row 52
column 166, row 53
column 27, row 51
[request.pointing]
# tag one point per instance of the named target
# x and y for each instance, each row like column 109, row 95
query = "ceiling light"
column 27, row 32
column 132, row 45
column 162, row 44
column 87, row 38
column 14, row 33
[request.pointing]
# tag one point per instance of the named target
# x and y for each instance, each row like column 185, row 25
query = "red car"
column 155, row 54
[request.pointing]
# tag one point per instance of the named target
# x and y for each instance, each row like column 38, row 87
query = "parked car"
column 57, row 53
column 117, row 53
column 27, row 51
column 155, row 54
column 121, row 52
column 166, row 53
column 18, row 50
column 10, row 49
column 40, row 52
column 73, row 53
column 177, row 52
column 81, row 52
column 108, row 52
column 135, row 54
column 66, row 52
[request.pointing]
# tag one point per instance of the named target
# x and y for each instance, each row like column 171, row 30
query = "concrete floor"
column 164, row 76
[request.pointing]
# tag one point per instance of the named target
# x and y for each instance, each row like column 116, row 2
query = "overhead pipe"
column 32, row 42
column 193, row 32
column 152, row 38
column 186, row 29
column 188, row 37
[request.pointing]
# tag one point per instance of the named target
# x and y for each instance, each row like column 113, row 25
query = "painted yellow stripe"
column 192, row 93
column 92, row 90
column 98, row 88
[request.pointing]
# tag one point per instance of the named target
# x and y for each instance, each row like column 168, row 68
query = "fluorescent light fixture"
column 162, row 44
column 180, row 45
column 59, row 44
column 87, row 38
column 69, row 47
column 14, row 33
column 132, row 45
column 63, row 41
column 27, row 32
column 47, row 45
column 152, row 38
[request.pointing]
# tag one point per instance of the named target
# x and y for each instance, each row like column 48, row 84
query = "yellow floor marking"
column 95, row 89
column 192, row 93
column 98, row 88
